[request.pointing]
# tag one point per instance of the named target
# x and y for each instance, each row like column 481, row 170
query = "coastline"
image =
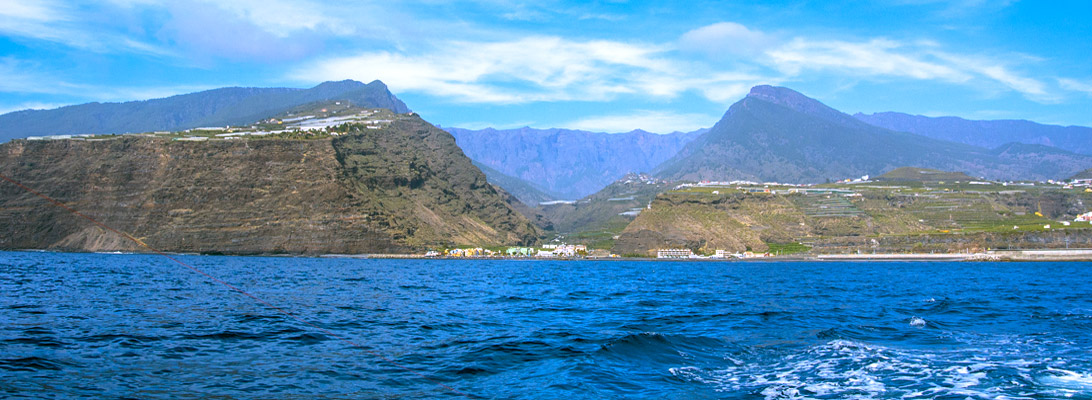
column 1046, row 255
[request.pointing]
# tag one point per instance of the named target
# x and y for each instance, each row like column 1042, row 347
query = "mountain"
column 402, row 187
column 566, row 163
column 217, row 107
column 777, row 134
column 1077, row 139
column 912, row 174
column 596, row 219
column 1086, row 174
column 521, row 189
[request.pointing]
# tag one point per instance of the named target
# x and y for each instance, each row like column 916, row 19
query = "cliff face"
column 397, row 189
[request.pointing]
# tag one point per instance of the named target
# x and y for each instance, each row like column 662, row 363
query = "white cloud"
column 888, row 58
column 530, row 69
column 59, row 22
column 874, row 57
column 25, row 77
column 723, row 39
column 42, row 10
column 649, row 120
column 34, row 105
column 1075, row 85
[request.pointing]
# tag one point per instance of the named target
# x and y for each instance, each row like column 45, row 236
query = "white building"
column 674, row 253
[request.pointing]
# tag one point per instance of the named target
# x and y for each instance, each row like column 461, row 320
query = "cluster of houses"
column 323, row 122
column 546, row 251
column 687, row 254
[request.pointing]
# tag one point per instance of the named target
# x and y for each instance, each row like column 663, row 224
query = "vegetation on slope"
column 839, row 218
column 595, row 220
column 399, row 188
column 424, row 190
column 913, row 174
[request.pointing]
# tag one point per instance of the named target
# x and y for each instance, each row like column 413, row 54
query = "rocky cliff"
column 402, row 188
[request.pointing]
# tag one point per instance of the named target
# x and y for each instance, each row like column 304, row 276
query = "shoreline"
column 1052, row 255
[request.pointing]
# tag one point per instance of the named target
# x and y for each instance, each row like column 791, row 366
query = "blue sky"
column 607, row 66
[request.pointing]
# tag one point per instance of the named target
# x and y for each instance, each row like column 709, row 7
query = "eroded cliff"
column 401, row 188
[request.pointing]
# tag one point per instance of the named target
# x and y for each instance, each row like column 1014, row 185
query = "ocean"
column 141, row 326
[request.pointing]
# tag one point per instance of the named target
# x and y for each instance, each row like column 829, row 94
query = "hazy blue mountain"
column 1085, row 174
column 217, row 107
column 521, row 189
column 566, row 163
column 1077, row 139
column 776, row 134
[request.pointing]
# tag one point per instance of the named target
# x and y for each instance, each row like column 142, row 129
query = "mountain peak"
column 786, row 97
column 798, row 102
column 340, row 85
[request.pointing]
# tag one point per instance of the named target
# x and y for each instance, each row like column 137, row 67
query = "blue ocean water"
column 141, row 326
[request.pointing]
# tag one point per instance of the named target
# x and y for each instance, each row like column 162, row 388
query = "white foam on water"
column 850, row 369
column 917, row 322
column 1066, row 379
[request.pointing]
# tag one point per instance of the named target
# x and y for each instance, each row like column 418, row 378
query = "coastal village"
column 946, row 201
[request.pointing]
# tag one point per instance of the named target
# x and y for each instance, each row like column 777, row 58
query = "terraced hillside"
column 862, row 217
column 596, row 219
column 396, row 187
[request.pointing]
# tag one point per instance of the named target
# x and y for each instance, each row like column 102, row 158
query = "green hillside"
column 913, row 174
column 595, row 220
column 861, row 217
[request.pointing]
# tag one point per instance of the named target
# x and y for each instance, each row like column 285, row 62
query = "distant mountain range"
column 217, row 107
column 774, row 134
column 523, row 191
column 568, row 164
column 777, row 134
column 1077, row 139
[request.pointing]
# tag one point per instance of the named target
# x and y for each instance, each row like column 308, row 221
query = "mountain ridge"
column 985, row 133
column 215, row 107
column 568, row 163
column 777, row 134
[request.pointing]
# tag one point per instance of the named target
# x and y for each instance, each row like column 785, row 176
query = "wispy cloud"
column 26, row 78
column 531, row 69
column 65, row 23
column 33, row 105
column 870, row 58
column 649, row 120
column 895, row 59
column 1075, row 85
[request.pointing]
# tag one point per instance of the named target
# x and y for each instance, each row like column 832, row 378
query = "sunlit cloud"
column 531, row 69
column 890, row 58
column 874, row 57
column 724, row 39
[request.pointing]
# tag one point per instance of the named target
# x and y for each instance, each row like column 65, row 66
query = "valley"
column 780, row 174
